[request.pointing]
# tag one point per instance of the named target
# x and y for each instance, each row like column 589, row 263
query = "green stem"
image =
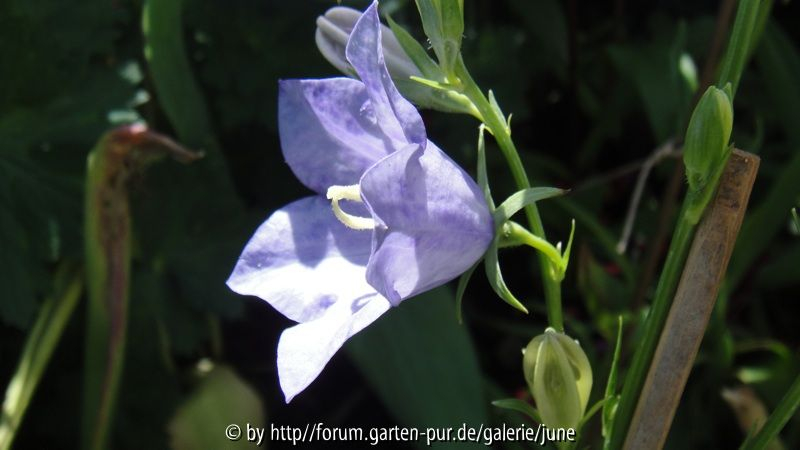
column 776, row 421
column 497, row 126
column 740, row 44
column 42, row 341
column 520, row 235
column 667, row 285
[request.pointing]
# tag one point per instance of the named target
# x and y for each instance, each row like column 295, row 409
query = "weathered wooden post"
column 691, row 309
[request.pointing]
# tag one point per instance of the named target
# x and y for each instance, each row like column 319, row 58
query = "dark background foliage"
column 593, row 87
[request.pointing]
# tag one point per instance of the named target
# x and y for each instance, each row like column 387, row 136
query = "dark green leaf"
column 495, row 276
column 422, row 363
column 463, row 280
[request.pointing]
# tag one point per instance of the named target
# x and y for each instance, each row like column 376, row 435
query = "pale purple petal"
column 329, row 134
column 333, row 32
column 302, row 260
column 396, row 116
column 305, row 349
column 433, row 221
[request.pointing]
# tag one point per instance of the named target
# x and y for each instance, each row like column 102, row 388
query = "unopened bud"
column 333, row 31
column 706, row 144
column 559, row 377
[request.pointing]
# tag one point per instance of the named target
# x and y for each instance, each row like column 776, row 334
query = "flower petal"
column 302, row 260
column 433, row 221
column 333, row 32
column 305, row 349
column 329, row 135
column 396, row 116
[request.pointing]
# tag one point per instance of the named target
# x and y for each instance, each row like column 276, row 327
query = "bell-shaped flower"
column 559, row 377
column 393, row 215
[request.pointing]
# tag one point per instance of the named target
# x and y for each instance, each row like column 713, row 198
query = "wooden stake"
column 691, row 309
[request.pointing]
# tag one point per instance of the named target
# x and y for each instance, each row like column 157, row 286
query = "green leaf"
column 521, row 199
column 181, row 234
column 443, row 22
column 422, row 364
column 568, row 250
column 491, row 261
column 431, row 22
column 498, row 111
column 416, row 52
column 611, row 386
column 495, row 276
column 483, row 178
column 462, row 286
column 452, row 13
column 171, row 72
column 518, row 405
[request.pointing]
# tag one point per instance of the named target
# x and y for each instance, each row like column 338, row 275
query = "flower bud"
column 705, row 148
column 559, row 377
column 333, row 31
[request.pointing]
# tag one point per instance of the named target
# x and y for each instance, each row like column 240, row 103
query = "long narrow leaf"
column 521, row 199
column 495, row 276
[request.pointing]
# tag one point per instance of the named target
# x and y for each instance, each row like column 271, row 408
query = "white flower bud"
column 333, row 31
column 559, row 377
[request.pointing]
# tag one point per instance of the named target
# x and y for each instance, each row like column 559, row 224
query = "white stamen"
column 353, row 194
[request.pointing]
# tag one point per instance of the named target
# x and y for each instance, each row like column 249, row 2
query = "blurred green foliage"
column 592, row 88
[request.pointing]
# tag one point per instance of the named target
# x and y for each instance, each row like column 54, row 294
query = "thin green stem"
column 520, row 234
column 497, row 126
column 39, row 347
column 740, row 44
column 777, row 420
column 667, row 285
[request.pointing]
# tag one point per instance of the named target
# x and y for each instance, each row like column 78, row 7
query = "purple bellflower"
column 414, row 220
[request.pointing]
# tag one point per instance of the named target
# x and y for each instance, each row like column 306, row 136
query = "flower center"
column 352, row 193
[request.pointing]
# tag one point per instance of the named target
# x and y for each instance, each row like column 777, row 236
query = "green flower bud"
column 705, row 149
column 559, row 377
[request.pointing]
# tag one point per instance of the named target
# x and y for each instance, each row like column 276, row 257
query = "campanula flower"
column 393, row 215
